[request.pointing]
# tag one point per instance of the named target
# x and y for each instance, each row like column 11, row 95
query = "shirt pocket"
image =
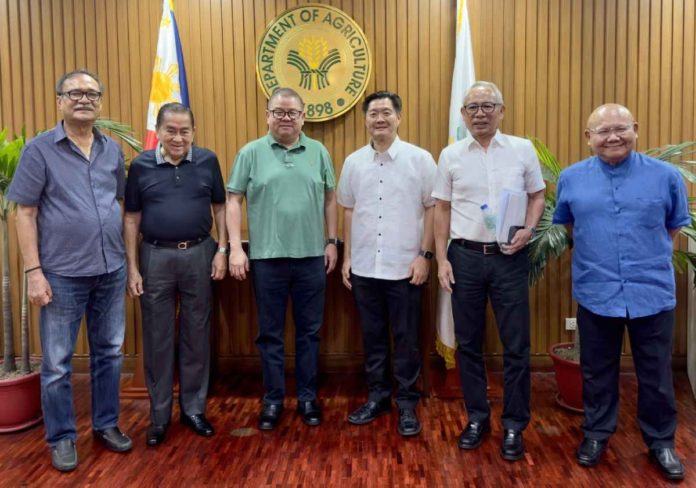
column 650, row 212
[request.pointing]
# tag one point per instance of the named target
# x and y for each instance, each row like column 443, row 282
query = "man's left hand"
column 330, row 257
column 419, row 270
column 219, row 267
column 521, row 239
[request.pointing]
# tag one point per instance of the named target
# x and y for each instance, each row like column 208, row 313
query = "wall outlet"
column 571, row 323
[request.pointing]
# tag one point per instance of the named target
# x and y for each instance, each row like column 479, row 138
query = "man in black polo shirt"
column 169, row 194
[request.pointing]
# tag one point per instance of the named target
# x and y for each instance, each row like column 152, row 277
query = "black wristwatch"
column 425, row 254
column 332, row 240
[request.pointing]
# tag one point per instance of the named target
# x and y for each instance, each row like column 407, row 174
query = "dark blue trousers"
column 601, row 339
column 383, row 304
column 303, row 280
column 503, row 279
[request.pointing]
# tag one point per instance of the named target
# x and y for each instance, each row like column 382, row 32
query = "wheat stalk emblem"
column 313, row 57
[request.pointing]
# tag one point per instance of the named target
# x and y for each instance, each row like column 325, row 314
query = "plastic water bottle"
column 488, row 217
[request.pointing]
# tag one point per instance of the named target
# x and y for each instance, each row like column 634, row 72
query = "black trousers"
column 503, row 279
column 381, row 304
column 600, row 355
column 167, row 274
column 303, row 281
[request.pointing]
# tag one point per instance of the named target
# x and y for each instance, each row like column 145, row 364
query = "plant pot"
column 568, row 379
column 20, row 402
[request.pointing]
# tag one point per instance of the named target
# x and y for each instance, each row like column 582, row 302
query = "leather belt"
column 485, row 248
column 183, row 245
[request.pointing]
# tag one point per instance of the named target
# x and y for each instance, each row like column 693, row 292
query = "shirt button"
column 379, row 234
column 380, row 216
column 380, row 198
column 380, row 181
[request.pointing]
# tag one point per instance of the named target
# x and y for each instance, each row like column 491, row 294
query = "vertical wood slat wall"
column 554, row 60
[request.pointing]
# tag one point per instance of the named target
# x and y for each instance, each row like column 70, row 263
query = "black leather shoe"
column 668, row 462
column 198, row 423
column 408, row 422
column 512, row 447
column 369, row 411
column 64, row 455
column 590, row 451
column 473, row 433
column 310, row 412
column 270, row 416
column 113, row 439
column 155, row 434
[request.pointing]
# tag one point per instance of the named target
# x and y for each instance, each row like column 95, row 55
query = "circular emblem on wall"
column 320, row 52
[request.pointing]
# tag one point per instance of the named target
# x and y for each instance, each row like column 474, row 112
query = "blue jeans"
column 101, row 299
column 304, row 281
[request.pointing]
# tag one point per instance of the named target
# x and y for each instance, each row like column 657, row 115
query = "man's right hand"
column 39, row 290
column 239, row 264
column 135, row 283
column 445, row 275
column 345, row 273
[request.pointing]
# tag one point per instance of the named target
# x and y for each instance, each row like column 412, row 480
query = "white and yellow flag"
column 462, row 78
column 169, row 74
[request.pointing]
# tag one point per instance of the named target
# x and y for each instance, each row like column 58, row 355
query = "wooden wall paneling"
column 620, row 51
column 42, row 96
column 608, row 67
column 5, row 81
column 422, row 137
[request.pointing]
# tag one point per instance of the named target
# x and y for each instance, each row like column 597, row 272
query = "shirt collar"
column 499, row 139
column 620, row 168
column 60, row 134
column 392, row 151
column 301, row 142
column 160, row 159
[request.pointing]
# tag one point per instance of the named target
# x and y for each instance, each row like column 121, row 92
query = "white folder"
column 512, row 212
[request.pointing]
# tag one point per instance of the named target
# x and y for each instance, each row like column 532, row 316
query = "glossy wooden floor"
column 337, row 454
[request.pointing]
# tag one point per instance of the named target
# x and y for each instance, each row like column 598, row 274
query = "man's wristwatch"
column 425, row 254
column 223, row 250
column 332, row 240
column 533, row 229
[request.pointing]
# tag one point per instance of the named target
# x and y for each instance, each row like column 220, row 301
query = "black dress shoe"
column 408, row 422
column 155, row 434
column 270, row 416
column 668, row 462
column 113, row 439
column 369, row 411
column 590, row 451
column 512, row 447
column 64, row 455
column 473, row 433
column 310, row 412
column 198, row 423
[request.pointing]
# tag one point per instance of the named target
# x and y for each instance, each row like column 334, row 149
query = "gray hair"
column 486, row 85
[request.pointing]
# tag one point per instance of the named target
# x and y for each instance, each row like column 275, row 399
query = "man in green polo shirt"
column 289, row 183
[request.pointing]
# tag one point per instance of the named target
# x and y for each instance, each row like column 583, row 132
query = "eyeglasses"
column 280, row 114
column 605, row 132
column 76, row 95
column 487, row 107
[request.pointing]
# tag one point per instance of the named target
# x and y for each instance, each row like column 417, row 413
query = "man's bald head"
column 611, row 132
column 606, row 110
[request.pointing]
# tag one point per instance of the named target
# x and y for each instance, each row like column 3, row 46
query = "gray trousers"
column 169, row 274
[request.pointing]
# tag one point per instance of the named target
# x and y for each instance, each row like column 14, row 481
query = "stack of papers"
column 512, row 212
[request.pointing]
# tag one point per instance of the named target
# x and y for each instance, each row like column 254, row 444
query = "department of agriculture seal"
column 321, row 53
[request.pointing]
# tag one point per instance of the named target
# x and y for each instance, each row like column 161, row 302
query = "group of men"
column 400, row 210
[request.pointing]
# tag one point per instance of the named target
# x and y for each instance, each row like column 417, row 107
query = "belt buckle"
column 183, row 245
column 485, row 249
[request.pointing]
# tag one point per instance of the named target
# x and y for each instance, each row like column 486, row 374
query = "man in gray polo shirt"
column 67, row 187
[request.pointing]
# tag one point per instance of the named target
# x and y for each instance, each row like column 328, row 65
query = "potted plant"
column 20, row 386
column 552, row 241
